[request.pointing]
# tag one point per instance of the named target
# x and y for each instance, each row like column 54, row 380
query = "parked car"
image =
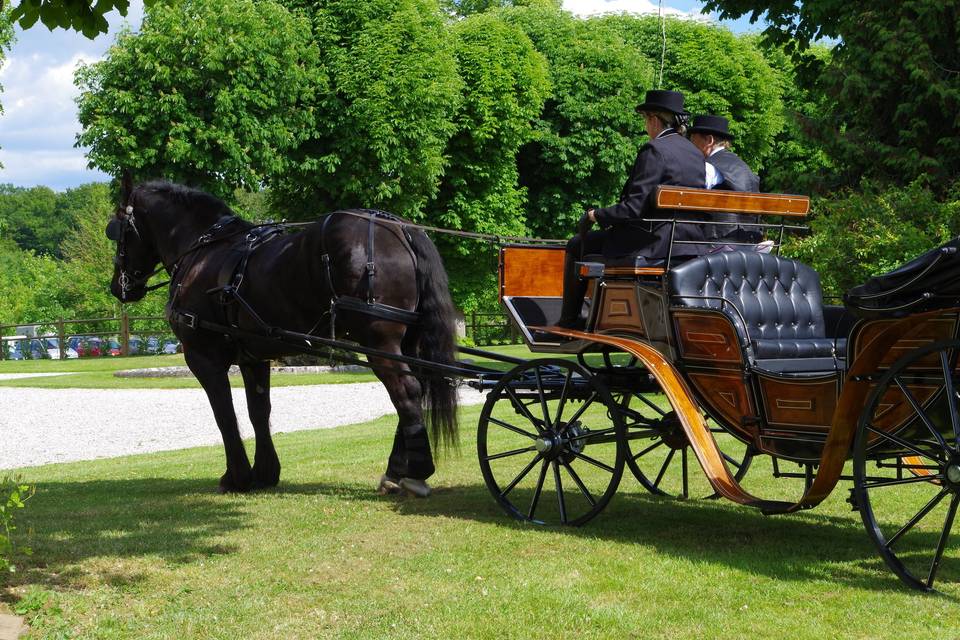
column 110, row 348
column 153, row 346
column 35, row 350
column 171, row 346
column 52, row 345
column 14, row 350
column 86, row 346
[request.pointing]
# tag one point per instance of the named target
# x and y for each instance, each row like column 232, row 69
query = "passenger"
column 725, row 170
column 667, row 158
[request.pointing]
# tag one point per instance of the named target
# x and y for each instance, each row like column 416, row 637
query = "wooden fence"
column 120, row 328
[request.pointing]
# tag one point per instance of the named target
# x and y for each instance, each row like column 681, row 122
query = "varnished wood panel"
column 729, row 399
column 707, row 336
column 895, row 410
column 800, row 403
column 921, row 333
column 531, row 271
column 619, row 308
column 732, row 201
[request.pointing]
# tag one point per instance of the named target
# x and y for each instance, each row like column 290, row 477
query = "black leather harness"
column 232, row 273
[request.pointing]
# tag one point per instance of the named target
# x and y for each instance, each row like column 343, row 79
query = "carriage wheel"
column 550, row 448
column 659, row 454
column 907, row 480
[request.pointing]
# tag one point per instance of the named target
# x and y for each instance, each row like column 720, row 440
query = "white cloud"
column 586, row 8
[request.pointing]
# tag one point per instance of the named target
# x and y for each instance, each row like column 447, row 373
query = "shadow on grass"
column 799, row 547
column 179, row 520
column 182, row 520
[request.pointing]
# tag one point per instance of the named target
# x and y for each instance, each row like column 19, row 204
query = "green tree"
column 505, row 82
column 893, row 79
column 87, row 17
column 383, row 124
column 31, row 218
column 587, row 133
column 212, row 93
column 858, row 234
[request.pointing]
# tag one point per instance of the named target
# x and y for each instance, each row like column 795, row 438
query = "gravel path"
column 39, row 426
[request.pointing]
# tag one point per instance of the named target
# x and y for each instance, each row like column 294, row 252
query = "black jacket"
column 737, row 176
column 668, row 159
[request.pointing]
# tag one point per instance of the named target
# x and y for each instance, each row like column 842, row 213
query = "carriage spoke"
column 663, row 469
column 510, row 427
column 683, row 459
column 507, row 454
column 523, row 408
column 648, row 449
column 947, row 526
column 520, row 476
column 650, row 404
column 586, row 404
column 592, row 434
column 596, row 463
column 731, row 460
column 561, row 502
column 538, row 490
column 563, row 395
column 903, row 443
column 911, row 480
column 583, row 489
column 919, row 411
column 543, row 399
column 951, row 394
column 917, row 518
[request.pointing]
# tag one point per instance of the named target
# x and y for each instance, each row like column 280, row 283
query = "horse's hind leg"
column 212, row 375
column 411, row 458
column 256, row 382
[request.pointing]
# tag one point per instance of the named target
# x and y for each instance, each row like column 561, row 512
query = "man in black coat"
column 726, row 171
column 668, row 158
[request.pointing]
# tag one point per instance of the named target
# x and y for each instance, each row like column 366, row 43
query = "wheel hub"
column 545, row 443
column 953, row 474
column 671, row 431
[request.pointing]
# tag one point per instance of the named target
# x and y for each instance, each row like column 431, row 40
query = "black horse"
column 363, row 276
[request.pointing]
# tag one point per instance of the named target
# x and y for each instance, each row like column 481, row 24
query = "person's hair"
column 671, row 120
column 721, row 142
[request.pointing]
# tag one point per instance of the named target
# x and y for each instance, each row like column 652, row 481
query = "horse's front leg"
column 211, row 372
column 256, row 382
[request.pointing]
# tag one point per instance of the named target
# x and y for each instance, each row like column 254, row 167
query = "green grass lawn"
column 97, row 373
column 143, row 547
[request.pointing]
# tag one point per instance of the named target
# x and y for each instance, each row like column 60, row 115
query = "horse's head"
column 137, row 254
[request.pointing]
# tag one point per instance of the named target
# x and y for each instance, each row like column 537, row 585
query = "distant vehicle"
column 170, row 346
column 14, row 350
column 153, row 346
column 85, row 346
column 110, row 348
column 35, row 350
column 52, row 345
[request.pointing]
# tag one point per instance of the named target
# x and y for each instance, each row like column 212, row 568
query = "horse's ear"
column 126, row 187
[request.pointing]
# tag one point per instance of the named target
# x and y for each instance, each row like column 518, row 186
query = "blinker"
column 114, row 230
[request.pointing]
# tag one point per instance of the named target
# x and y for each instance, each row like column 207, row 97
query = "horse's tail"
column 435, row 340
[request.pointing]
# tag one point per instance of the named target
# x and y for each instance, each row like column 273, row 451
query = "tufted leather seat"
column 778, row 302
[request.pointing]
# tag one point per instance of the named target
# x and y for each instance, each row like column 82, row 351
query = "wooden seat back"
column 776, row 204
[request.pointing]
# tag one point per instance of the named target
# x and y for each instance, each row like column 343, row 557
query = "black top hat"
column 662, row 100
column 713, row 125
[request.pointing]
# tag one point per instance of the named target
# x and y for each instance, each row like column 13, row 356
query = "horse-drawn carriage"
column 720, row 358
column 724, row 357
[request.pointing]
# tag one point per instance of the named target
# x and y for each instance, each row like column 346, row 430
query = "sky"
column 39, row 125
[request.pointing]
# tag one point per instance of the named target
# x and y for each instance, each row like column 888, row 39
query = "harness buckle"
column 371, row 267
column 189, row 319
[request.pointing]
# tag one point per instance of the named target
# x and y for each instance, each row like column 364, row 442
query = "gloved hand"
column 585, row 223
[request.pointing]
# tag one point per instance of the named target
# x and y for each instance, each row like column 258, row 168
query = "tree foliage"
column 215, row 93
column 587, row 134
column 893, row 79
column 874, row 229
column 383, row 122
column 505, row 82
column 87, row 17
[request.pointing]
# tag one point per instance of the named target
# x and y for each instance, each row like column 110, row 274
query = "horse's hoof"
column 388, row 486
column 418, row 488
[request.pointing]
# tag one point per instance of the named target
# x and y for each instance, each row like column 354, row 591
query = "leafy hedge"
column 13, row 495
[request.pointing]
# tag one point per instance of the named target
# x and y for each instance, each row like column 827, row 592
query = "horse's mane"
column 188, row 197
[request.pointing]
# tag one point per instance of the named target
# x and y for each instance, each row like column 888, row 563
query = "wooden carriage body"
column 784, row 406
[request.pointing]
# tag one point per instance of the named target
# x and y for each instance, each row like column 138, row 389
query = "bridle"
column 117, row 230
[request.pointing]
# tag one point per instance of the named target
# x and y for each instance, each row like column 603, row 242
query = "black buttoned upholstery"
column 778, row 302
